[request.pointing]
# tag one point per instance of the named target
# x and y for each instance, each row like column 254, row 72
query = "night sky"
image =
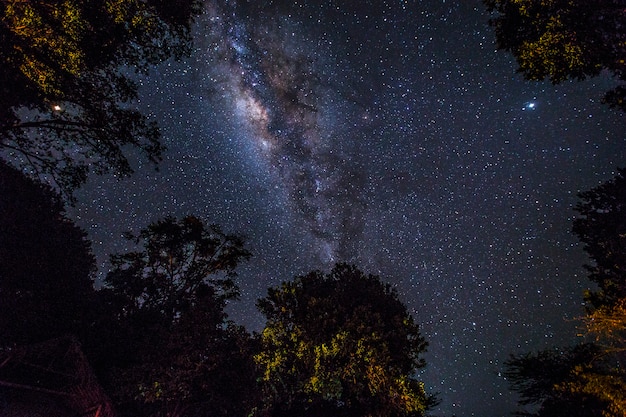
column 391, row 135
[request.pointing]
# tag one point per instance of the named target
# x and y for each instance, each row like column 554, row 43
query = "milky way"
column 392, row 135
column 288, row 112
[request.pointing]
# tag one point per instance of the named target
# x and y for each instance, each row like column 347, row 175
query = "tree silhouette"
column 601, row 226
column 46, row 264
column 174, row 349
column 63, row 97
column 550, row 380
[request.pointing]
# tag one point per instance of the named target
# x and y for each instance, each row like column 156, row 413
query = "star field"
column 391, row 135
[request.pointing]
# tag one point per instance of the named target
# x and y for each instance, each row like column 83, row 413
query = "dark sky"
column 391, row 135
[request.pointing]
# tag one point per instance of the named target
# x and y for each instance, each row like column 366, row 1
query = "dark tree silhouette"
column 546, row 381
column 46, row 264
column 64, row 102
column 175, row 352
column 601, row 226
column 339, row 344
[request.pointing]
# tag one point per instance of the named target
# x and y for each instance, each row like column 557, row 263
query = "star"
column 531, row 105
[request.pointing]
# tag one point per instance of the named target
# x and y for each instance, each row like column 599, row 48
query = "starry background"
column 391, row 135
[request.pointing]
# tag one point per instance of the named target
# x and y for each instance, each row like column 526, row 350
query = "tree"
column 551, row 381
column 608, row 325
column 173, row 347
column 589, row 379
column 46, row 264
column 578, row 381
column 564, row 39
column 181, row 261
column 601, row 226
column 339, row 344
column 64, row 98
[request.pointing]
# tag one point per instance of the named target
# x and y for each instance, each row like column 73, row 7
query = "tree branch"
column 50, row 124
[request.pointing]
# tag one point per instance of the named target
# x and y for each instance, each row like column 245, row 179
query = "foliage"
column 608, row 325
column 576, row 381
column 564, row 39
column 64, row 100
column 174, row 348
column 46, row 264
column 340, row 344
column 600, row 384
column 589, row 379
column 601, row 226
column 540, row 379
column 181, row 260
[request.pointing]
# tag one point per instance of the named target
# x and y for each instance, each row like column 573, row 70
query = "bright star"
column 531, row 105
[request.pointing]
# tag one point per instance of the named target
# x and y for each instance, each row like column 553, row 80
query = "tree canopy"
column 173, row 347
column 589, row 379
column 550, row 381
column 46, row 264
column 339, row 344
column 601, row 227
column 564, row 39
column 65, row 88
column 181, row 260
